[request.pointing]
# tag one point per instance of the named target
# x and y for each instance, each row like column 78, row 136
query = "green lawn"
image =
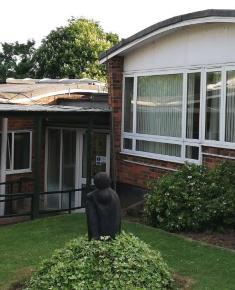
column 23, row 245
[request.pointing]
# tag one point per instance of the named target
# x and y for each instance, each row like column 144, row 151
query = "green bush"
column 193, row 198
column 123, row 263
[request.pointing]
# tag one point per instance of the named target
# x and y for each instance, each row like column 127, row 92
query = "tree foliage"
column 69, row 51
column 17, row 60
column 73, row 50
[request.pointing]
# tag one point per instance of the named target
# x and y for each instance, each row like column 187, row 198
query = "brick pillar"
column 115, row 76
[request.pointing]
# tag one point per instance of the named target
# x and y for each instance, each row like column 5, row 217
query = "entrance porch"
column 70, row 144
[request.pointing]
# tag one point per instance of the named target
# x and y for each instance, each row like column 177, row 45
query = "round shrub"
column 123, row 263
column 193, row 198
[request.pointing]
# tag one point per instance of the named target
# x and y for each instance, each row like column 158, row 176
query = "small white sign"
column 100, row 160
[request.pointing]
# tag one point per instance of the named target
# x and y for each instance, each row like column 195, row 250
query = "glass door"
column 66, row 163
column 61, row 166
column 100, row 155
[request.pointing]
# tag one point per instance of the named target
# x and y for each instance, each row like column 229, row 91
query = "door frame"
column 79, row 180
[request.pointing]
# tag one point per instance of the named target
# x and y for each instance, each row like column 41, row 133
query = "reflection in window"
column 21, row 150
column 128, row 104
column 127, row 143
column 192, row 152
column 213, row 96
column 159, row 105
column 193, row 105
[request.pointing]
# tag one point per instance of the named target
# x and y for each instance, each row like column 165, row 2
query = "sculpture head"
column 102, row 180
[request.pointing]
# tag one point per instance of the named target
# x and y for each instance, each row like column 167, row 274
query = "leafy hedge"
column 123, row 263
column 193, row 199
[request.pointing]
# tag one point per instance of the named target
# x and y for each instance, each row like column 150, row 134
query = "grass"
column 22, row 246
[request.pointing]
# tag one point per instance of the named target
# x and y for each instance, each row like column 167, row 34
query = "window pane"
column 230, row 107
column 53, row 171
column 84, row 156
column 21, row 150
column 98, row 156
column 213, row 95
column 68, row 166
column 128, row 104
column 159, row 105
column 68, row 159
column 192, row 152
column 193, row 105
column 127, row 143
column 159, row 148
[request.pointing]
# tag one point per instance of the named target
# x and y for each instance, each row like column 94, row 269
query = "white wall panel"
column 197, row 45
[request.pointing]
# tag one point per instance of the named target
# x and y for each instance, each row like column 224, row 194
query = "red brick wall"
column 213, row 155
column 134, row 170
column 115, row 77
column 138, row 171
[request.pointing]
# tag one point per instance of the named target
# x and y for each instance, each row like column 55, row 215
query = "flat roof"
column 37, row 92
column 83, row 107
column 116, row 49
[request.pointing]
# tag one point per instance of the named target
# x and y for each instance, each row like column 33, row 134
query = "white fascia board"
column 160, row 32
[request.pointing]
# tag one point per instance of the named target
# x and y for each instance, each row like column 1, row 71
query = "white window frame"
column 183, row 141
column 25, row 170
column 221, row 143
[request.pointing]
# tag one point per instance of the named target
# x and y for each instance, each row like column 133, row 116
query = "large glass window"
column 213, row 99
column 193, row 105
column 230, row 107
column 161, row 126
column 159, row 105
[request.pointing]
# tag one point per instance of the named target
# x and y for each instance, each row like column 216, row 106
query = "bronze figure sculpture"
column 103, row 209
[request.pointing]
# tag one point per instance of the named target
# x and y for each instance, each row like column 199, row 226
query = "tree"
column 16, row 60
column 73, row 50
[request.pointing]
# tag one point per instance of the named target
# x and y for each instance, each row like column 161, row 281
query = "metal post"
column 113, row 154
column 89, row 152
column 70, row 201
column 3, row 162
column 31, row 207
column 37, row 167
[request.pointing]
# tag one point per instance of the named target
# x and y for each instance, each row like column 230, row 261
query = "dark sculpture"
column 103, row 209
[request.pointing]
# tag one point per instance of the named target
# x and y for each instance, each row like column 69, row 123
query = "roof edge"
column 165, row 23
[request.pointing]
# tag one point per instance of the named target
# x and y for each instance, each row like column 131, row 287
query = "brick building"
column 54, row 137
column 172, row 92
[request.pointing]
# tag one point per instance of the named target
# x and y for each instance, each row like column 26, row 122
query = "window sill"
column 20, row 171
column 159, row 157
